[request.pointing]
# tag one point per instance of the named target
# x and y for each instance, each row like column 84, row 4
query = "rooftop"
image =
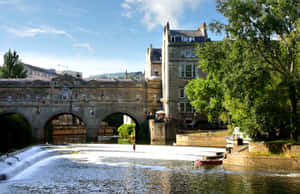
column 49, row 71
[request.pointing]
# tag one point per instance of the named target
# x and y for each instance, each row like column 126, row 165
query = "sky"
column 95, row 36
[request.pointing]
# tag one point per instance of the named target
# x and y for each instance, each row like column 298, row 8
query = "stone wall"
column 205, row 141
column 274, row 162
column 259, row 155
column 161, row 132
column 274, row 148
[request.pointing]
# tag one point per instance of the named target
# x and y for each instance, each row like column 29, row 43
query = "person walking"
column 134, row 146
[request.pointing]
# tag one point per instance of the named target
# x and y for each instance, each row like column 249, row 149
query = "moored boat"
column 208, row 162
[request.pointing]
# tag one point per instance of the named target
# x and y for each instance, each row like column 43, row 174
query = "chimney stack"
column 203, row 29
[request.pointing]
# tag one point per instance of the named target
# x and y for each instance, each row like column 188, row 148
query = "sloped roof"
column 49, row 71
column 191, row 33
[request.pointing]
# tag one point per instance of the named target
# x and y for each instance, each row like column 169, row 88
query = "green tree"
column 16, row 132
column 126, row 130
column 253, row 74
column 12, row 67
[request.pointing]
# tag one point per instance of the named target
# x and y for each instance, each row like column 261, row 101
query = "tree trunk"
column 294, row 132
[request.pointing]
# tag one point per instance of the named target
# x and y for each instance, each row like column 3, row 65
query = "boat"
column 208, row 162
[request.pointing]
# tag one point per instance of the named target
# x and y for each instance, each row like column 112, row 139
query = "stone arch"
column 19, row 113
column 16, row 133
column 137, row 121
column 123, row 113
column 54, row 115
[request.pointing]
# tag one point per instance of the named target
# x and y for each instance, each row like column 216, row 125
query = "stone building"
column 35, row 72
column 153, row 63
column 179, row 65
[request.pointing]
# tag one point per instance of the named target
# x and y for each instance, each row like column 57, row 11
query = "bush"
column 126, row 130
column 15, row 132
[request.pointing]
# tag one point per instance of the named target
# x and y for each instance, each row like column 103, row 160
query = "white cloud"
column 125, row 5
column 83, row 45
column 32, row 32
column 88, row 66
column 158, row 12
column 25, row 32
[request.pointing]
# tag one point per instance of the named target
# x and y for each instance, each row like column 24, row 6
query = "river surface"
column 108, row 168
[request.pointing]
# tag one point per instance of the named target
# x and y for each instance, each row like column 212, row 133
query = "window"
column 193, row 54
column 183, row 53
column 138, row 97
column 192, row 39
column 185, row 39
column 181, row 107
column 188, row 53
column 188, row 71
column 182, row 72
column 186, row 107
column 182, row 93
column 172, row 38
column 178, row 39
column 195, row 71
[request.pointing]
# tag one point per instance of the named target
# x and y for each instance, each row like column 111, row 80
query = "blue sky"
column 95, row 36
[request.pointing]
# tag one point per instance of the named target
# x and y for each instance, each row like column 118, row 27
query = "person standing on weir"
column 134, row 146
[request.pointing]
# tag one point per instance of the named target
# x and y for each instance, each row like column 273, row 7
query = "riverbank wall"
column 204, row 139
column 261, row 155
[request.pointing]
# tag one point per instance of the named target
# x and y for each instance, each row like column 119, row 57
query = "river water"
column 108, row 168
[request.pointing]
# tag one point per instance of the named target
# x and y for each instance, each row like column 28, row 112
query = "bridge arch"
column 11, row 112
column 139, row 129
column 16, row 131
column 65, row 127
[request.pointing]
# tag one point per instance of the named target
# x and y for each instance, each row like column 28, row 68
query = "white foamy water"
column 112, row 168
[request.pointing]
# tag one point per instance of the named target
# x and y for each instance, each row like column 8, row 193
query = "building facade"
column 153, row 63
column 34, row 72
column 180, row 65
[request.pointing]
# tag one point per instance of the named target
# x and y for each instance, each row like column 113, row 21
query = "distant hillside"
column 119, row 75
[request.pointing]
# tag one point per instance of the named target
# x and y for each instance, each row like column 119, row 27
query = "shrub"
column 126, row 130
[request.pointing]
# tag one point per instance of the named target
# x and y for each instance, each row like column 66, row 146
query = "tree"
column 126, row 130
column 12, row 67
column 255, row 70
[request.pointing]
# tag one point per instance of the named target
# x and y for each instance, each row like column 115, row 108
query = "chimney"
column 126, row 74
column 203, row 29
column 167, row 27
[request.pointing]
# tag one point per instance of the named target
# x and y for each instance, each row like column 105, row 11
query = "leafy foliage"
column 15, row 132
column 126, row 130
column 12, row 67
column 253, row 75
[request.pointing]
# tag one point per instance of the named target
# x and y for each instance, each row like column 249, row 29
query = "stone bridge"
column 39, row 101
